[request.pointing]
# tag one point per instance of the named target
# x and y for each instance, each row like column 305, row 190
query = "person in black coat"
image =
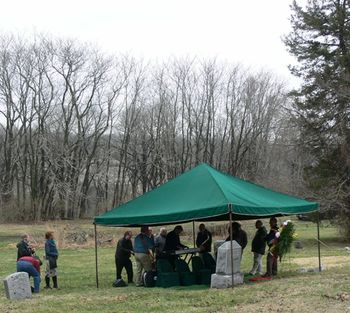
column 204, row 239
column 122, row 256
column 23, row 248
column 239, row 235
column 258, row 247
column 172, row 243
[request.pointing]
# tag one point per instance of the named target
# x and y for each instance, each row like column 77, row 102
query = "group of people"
column 259, row 242
column 147, row 248
column 29, row 262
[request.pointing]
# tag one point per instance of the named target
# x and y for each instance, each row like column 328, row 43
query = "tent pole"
column 194, row 234
column 231, row 244
column 96, row 261
column 318, row 241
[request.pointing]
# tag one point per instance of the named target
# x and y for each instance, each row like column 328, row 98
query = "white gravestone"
column 223, row 262
column 223, row 276
column 17, row 286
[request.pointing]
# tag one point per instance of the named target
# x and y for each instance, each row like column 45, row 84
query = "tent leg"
column 318, row 241
column 231, row 244
column 96, row 261
column 194, row 234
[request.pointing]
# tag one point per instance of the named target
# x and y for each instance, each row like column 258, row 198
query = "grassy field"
column 291, row 291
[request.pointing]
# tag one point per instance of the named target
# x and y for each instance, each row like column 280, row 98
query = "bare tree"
column 82, row 132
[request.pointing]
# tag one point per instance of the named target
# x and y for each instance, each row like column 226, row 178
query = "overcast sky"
column 237, row 31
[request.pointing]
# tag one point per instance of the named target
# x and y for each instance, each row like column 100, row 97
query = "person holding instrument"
column 173, row 243
column 204, row 239
column 24, row 248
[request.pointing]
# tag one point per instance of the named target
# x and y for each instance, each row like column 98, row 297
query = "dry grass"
column 292, row 291
column 327, row 261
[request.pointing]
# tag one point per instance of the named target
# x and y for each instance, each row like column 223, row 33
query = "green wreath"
column 285, row 240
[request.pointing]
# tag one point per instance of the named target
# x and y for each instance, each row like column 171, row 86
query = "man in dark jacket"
column 173, row 243
column 122, row 256
column 258, row 247
column 23, row 248
column 204, row 239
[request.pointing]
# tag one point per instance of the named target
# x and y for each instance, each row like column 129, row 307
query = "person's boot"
column 54, row 279
column 47, row 281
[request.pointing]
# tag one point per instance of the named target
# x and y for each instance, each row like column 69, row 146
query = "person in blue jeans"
column 31, row 266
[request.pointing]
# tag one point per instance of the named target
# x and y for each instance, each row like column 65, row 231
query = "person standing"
column 150, row 233
column 122, row 256
column 51, row 255
column 159, row 242
column 204, row 239
column 31, row 266
column 173, row 243
column 143, row 248
column 258, row 247
column 24, row 248
column 239, row 235
column 272, row 257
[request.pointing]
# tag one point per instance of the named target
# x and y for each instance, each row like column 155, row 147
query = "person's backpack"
column 149, row 278
column 119, row 283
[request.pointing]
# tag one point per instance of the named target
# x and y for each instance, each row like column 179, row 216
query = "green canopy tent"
column 200, row 194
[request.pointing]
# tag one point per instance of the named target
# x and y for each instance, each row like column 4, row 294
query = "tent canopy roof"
column 204, row 193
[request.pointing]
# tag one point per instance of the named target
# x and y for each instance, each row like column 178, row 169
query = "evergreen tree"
column 320, row 41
